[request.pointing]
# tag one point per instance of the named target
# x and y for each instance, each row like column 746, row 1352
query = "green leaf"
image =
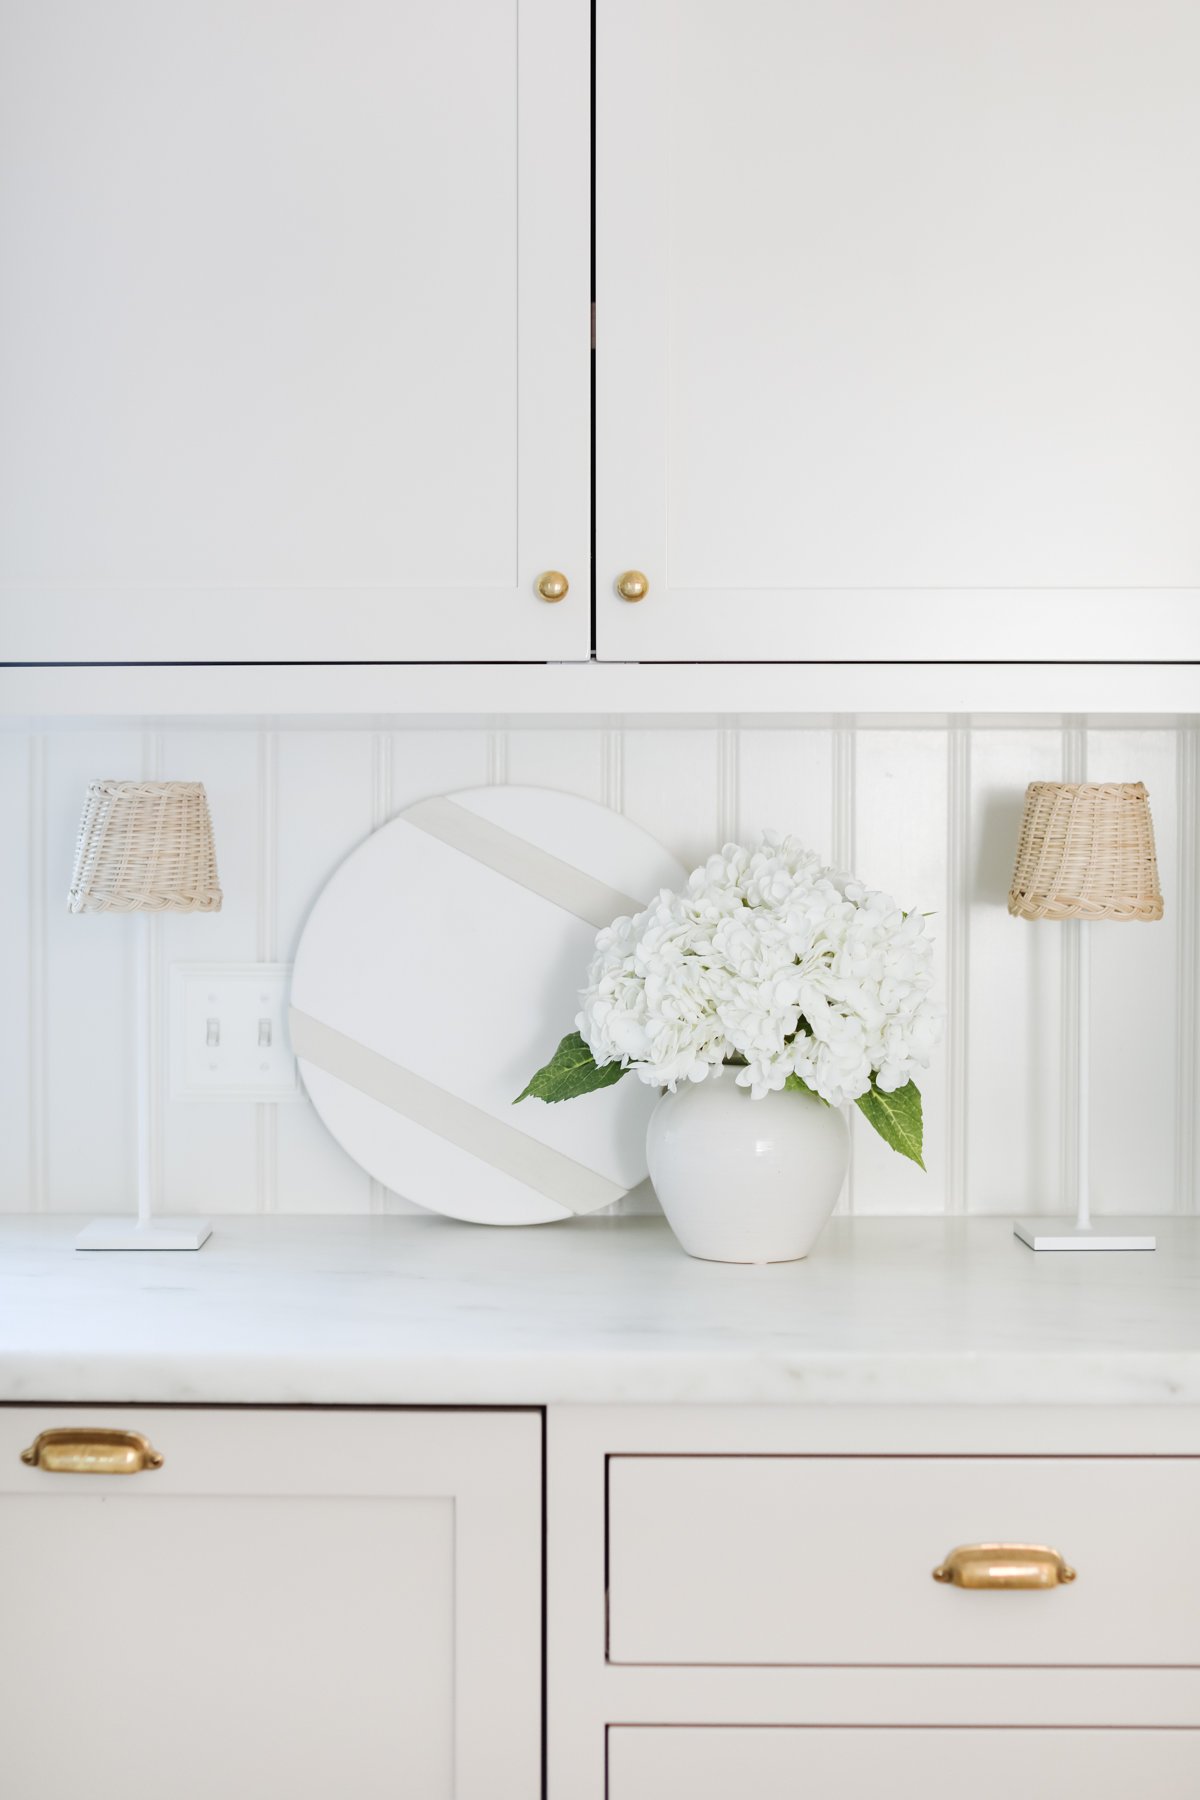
column 897, row 1118
column 794, row 1082
column 571, row 1071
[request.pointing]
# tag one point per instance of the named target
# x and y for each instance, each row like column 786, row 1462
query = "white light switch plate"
column 229, row 1036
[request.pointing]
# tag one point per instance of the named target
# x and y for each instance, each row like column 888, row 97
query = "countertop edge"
column 1170, row 1379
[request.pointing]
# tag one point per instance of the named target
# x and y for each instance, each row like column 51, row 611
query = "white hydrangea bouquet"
column 769, row 964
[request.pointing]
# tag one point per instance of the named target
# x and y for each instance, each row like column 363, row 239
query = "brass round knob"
column 553, row 585
column 632, row 585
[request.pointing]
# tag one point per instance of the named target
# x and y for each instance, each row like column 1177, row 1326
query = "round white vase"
column 744, row 1180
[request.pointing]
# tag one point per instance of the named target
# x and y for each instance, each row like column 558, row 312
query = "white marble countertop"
column 428, row 1311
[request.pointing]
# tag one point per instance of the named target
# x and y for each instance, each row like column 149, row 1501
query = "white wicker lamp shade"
column 1085, row 855
column 1086, row 851
column 145, row 846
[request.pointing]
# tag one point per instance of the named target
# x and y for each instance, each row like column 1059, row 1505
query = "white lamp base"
column 1061, row 1234
column 127, row 1234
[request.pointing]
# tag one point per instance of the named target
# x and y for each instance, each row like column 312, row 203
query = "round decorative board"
column 439, row 968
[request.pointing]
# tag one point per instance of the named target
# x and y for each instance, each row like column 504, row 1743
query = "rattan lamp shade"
column 145, row 846
column 1086, row 851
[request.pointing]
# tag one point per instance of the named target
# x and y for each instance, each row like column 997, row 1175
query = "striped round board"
column 439, row 968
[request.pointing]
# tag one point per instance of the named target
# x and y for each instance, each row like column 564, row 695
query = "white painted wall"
column 926, row 811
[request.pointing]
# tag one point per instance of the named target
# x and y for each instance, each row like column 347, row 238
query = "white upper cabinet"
column 897, row 345
column 294, row 332
column 897, row 323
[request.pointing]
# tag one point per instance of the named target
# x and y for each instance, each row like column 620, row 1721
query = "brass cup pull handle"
column 1004, row 1566
column 91, row 1450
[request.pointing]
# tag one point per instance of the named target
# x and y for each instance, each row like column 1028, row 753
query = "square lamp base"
column 127, row 1234
column 1062, row 1234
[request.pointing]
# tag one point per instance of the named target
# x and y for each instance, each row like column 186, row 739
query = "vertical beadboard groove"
column 841, row 850
column 266, row 1120
column 383, row 765
column 958, row 987
column 612, row 769
column 728, row 796
column 36, row 858
column 612, row 794
column 497, row 758
column 1187, row 952
column 382, row 777
column 152, row 763
column 1074, row 768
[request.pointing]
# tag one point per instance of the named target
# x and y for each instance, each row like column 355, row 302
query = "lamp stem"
column 1083, row 1219
column 145, row 924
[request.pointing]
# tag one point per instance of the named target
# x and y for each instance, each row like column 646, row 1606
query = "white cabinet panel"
column 777, row 1559
column 783, row 1763
column 896, row 345
column 294, row 330
column 304, row 1603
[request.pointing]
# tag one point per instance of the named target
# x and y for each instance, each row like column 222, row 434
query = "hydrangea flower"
column 771, row 963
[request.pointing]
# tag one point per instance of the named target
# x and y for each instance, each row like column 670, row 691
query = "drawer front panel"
column 829, row 1559
column 784, row 1762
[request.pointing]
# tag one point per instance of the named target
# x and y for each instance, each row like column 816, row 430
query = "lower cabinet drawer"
column 829, row 1560
column 785, row 1762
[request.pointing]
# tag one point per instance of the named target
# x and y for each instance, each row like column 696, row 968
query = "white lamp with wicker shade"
column 1085, row 855
column 145, row 847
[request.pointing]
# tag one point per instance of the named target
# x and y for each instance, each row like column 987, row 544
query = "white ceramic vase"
column 744, row 1180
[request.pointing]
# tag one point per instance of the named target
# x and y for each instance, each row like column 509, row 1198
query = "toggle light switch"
column 228, row 1037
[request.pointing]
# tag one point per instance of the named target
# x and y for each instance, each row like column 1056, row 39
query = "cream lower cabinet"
column 304, row 1603
column 742, row 1603
column 738, row 1604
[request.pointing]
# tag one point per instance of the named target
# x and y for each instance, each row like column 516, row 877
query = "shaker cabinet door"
column 896, row 329
column 307, row 1603
column 294, row 330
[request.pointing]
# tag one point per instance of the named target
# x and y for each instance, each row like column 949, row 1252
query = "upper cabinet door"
column 294, row 330
column 897, row 329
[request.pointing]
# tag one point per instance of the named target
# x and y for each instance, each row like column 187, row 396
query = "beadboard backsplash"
column 929, row 813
